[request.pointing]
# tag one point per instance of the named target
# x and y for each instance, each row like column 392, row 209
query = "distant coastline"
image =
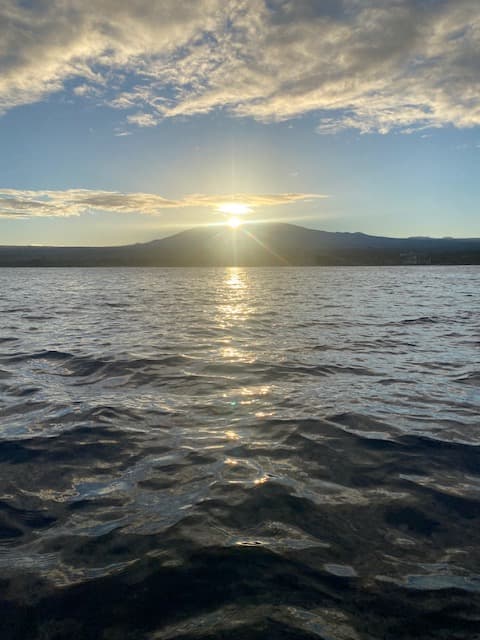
column 273, row 244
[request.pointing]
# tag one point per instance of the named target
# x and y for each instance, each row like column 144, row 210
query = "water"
column 240, row 453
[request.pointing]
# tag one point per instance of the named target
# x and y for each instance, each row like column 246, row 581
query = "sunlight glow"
column 234, row 222
column 234, row 208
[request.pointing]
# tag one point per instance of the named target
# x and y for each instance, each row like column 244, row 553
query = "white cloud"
column 16, row 203
column 142, row 119
column 374, row 65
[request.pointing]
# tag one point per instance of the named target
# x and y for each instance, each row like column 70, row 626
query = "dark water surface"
column 240, row 453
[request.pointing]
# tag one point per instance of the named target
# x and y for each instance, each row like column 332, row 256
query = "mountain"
column 254, row 245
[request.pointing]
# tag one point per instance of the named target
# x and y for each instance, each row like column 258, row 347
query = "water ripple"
column 240, row 453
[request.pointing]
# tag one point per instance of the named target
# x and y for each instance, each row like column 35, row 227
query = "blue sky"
column 122, row 122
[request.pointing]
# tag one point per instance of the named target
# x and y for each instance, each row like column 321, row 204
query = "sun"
column 234, row 212
column 234, row 222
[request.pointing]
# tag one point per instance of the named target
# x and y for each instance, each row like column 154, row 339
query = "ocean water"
column 240, row 453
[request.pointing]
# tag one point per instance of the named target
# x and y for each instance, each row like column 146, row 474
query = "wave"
column 181, row 457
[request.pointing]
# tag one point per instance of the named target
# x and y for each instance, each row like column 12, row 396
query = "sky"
column 127, row 120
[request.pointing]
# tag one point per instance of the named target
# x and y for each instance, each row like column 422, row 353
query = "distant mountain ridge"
column 266, row 244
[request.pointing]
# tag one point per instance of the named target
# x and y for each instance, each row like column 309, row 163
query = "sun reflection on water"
column 237, row 352
column 236, row 278
column 235, row 305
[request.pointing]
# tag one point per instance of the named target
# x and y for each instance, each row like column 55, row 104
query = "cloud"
column 372, row 65
column 73, row 202
column 142, row 119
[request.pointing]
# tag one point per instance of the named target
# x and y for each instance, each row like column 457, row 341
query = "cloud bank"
column 372, row 65
column 73, row 202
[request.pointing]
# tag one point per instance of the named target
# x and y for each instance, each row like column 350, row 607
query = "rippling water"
column 240, row 453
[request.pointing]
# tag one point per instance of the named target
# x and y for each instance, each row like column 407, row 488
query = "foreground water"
column 240, row 453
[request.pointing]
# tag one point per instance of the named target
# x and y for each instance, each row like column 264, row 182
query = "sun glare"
column 234, row 222
column 234, row 208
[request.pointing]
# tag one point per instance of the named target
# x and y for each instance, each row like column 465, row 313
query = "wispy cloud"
column 73, row 202
column 374, row 65
column 142, row 119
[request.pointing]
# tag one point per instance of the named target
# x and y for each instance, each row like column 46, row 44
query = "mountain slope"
column 260, row 244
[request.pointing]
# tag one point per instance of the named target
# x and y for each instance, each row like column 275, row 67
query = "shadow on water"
column 238, row 593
